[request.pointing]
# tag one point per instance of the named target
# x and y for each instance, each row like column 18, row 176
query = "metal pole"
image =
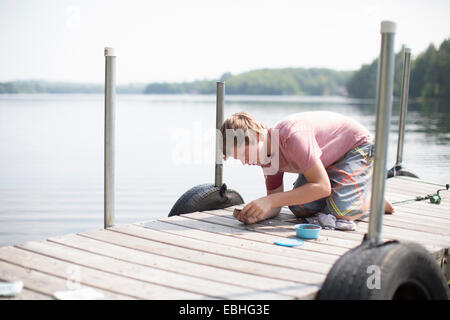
column 218, row 179
column 110, row 106
column 404, row 107
column 384, row 108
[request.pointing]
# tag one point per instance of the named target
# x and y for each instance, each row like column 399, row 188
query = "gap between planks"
column 138, row 251
column 183, row 244
column 93, row 277
column 434, row 243
column 275, row 227
column 43, row 282
column 166, row 282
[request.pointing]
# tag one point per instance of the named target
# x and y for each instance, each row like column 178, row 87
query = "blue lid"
column 289, row 242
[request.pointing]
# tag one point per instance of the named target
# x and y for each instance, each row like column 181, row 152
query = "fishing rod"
column 434, row 198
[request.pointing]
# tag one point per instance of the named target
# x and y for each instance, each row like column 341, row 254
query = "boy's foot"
column 388, row 208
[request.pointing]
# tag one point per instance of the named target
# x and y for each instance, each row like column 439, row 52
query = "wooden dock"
column 211, row 255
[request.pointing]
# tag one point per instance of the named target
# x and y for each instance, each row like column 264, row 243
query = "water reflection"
column 51, row 163
column 432, row 119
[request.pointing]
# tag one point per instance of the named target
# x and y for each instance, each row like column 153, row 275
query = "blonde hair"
column 241, row 121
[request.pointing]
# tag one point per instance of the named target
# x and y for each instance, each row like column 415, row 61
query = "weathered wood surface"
column 211, row 255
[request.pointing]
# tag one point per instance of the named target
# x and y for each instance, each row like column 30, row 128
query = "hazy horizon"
column 101, row 82
column 177, row 41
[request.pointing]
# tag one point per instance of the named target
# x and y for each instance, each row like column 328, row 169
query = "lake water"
column 51, row 154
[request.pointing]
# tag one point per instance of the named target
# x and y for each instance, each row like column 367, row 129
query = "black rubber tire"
column 406, row 173
column 399, row 171
column 407, row 271
column 206, row 197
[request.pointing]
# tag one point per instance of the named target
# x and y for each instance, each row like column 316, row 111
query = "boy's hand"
column 254, row 211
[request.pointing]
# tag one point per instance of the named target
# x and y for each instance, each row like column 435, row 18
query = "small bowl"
column 307, row 231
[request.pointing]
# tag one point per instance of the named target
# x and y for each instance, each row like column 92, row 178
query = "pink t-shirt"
column 306, row 137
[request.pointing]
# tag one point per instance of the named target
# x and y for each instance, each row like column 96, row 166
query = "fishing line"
column 434, row 198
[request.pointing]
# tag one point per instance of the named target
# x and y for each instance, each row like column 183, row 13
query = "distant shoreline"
column 429, row 81
column 286, row 81
column 247, row 97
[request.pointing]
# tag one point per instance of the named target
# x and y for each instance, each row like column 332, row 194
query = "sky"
column 179, row 40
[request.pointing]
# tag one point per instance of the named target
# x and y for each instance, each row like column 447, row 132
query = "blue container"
column 307, row 231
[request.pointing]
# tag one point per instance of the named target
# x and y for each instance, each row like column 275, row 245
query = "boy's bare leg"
column 388, row 209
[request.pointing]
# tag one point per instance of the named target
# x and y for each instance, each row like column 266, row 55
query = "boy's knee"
column 301, row 212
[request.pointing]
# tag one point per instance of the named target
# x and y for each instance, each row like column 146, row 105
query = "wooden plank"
column 412, row 189
column 193, row 256
column 420, row 191
column 26, row 294
column 416, row 190
column 129, row 254
column 146, row 274
column 392, row 233
column 435, row 246
column 413, row 214
column 209, row 245
column 408, row 181
column 242, row 232
column 42, row 283
column 403, row 216
column 400, row 219
column 416, row 224
column 395, row 233
column 199, row 230
column 326, row 236
column 408, row 190
column 401, row 211
column 430, row 246
column 92, row 277
column 414, row 182
column 426, row 209
column 282, row 226
column 396, row 197
column 213, row 256
column 442, row 209
column 432, row 241
column 412, row 194
column 288, row 221
column 258, row 237
column 440, row 234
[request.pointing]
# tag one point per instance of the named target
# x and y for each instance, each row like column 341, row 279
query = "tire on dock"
column 206, row 197
column 390, row 271
column 399, row 171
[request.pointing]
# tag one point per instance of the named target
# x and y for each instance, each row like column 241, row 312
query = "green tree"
column 430, row 75
column 363, row 82
column 420, row 72
column 444, row 68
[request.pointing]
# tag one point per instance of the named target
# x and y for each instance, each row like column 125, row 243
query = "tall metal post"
column 404, row 106
column 384, row 108
column 218, row 179
column 110, row 106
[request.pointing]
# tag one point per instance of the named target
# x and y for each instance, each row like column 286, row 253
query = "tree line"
column 430, row 79
column 41, row 86
column 286, row 81
column 429, row 75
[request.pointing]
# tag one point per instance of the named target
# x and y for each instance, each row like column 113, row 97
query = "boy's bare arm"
column 244, row 215
column 276, row 210
column 318, row 186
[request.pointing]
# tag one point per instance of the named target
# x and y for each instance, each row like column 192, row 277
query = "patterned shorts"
column 351, row 181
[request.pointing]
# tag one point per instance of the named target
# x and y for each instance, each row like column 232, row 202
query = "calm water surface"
column 51, row 154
